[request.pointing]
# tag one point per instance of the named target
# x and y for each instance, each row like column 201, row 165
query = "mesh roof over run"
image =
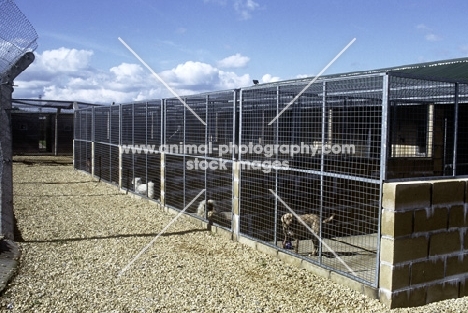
column 38, row 105
column 454, row 70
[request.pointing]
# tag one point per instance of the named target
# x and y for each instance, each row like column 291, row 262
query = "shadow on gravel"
column 31, row 162
column 18, row 237
column 54, row 183
column 195, row 230
column 69, row 195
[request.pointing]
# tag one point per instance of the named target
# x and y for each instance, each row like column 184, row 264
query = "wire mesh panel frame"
column 258, row 107
column 82, row 144
column 193, row 159
column 140, row 134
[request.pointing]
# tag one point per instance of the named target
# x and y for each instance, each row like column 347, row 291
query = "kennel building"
column 384, row 152
column 43, row 126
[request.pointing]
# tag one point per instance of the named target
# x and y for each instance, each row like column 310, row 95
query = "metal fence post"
column 162, row 141
column 183, row 155
column 133, row 141
column 322, row 159
column 455, row 130
column 237, row 176
column 384, row 144
column 384, row 153
column 93, row 161
column 276, row 141
column 146, row 143
column 6, row 150
column 119, row 143
column 206, row 143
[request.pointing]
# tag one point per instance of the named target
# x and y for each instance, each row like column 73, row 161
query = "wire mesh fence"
column 262, row 152
column 17, row 36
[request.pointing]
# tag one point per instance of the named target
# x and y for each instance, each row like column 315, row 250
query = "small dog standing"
column 222, row 218
column 294, row 229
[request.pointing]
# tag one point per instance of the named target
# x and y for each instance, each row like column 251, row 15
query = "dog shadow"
column 330, row 255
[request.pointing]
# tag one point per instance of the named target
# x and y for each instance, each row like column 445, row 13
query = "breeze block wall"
column 424, row 243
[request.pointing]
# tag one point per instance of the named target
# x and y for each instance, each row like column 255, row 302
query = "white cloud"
column 192, row 77
column 267, row 78
column 245, row 8
column 128, row 73
column 432, row 37
column 234, row 61
column 196, row 74
column 230, row 80
column 429, row 35
column 422, row 26
column 91, row 95
column 221, row 2
column 65, row 74
column 63, row 59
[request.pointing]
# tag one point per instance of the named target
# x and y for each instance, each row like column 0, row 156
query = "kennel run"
column 339, row 146
column 43, row 126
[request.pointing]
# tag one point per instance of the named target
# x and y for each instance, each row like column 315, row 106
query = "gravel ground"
column 78, row 234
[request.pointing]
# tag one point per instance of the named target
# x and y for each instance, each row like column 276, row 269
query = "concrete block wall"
column 424, row 242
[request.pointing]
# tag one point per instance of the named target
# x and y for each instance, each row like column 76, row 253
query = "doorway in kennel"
column 197, row 133
column 140, row 127
column 106, row 141
column 82, row 143
column 328, row 163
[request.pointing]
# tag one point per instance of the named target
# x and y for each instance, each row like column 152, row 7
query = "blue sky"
column 205, row 45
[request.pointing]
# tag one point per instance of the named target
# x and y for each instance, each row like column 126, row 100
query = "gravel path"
column 78, row 234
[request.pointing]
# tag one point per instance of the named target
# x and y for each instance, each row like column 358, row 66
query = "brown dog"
column 294, row 229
